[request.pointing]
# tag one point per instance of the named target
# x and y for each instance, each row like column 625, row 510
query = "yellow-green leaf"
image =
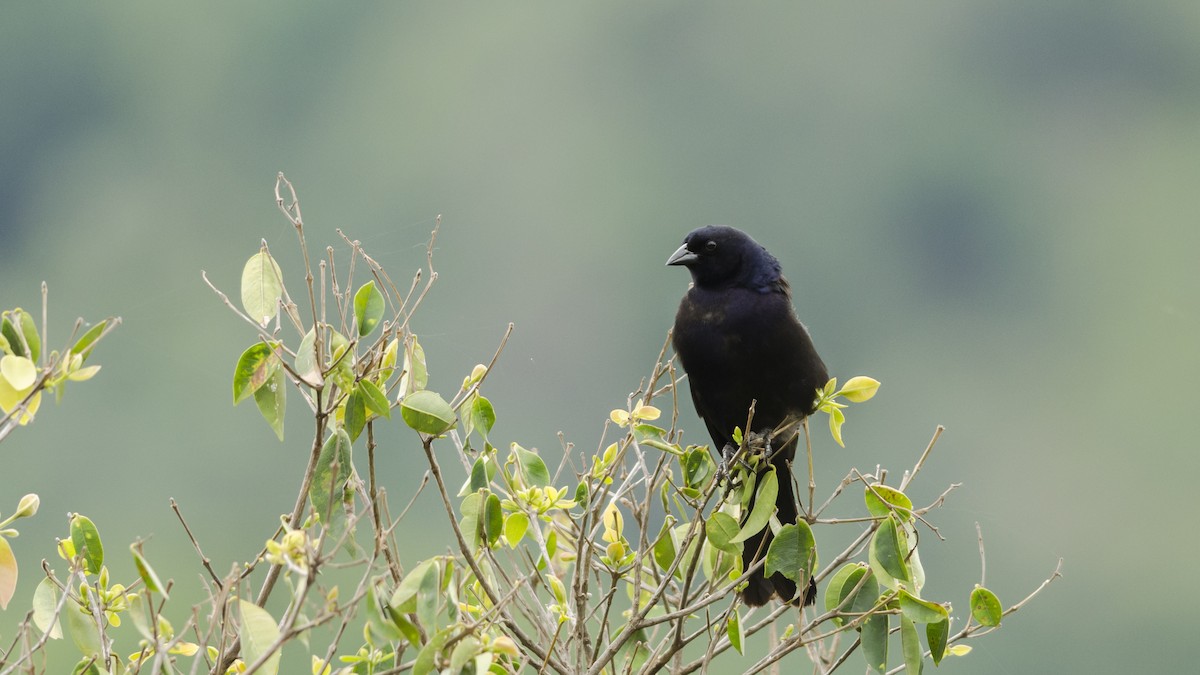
column 306, row 360
column 8, row 573
column 859, row 389
column 515, row 526
column 415, row 376
column 836, row 419
column 20, row 372
column 262, row 287
column 83, row 630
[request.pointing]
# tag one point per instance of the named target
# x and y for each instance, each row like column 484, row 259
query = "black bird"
column 739, row 340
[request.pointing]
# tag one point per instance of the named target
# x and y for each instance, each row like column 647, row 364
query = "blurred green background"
column 989, row 207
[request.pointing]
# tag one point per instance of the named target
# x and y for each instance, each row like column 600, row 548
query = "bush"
column 623, row 561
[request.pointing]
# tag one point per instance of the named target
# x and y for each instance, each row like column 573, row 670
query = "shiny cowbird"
column 738, row 339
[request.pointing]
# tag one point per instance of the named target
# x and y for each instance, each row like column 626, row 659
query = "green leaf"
column 985, row 607
column 910, row 645
column 533, row 470
column 12, row 338
column 45, row 606
column 839, row 586
column 493, row 519
column 921, row 611
column 481, row 474
column 375, row 400
column 874, row 639
column 411, row 633
column 664, row 546
column 470, row 524
column 8, row 573
column 886, row 555
column 936, row 634
column 914, row 558
column 764, row 506
column 466, row 650
column 379, row 619
column 146, row 572
column 698, row 467
column 733, row 630
column 330, row 474
column 717, row 563
column 258, row 632
column 86, row 540
column 720, row 531
column 255, row 366
column 793, row 553
column 29, row 330
column 139, row 611
column 881, row 500
column 355, row 417
column 428, row 597
column 262, row 287
column 427, row 412
column 515, row 526
column 403, row 599
column 368, row 308
column 306, row 360
column 482, row 415
column 88, row 666
column 85, row 344
column 868, row 593
column 271, row 399
column 83, row 630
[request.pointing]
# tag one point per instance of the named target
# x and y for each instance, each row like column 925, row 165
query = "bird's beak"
column 682, row 256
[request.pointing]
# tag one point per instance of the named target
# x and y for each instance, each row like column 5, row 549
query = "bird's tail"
column 759, row 588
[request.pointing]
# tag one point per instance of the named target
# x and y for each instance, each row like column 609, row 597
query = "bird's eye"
column 710, row 246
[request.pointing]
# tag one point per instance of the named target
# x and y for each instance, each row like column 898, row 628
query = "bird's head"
column 719, row 256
